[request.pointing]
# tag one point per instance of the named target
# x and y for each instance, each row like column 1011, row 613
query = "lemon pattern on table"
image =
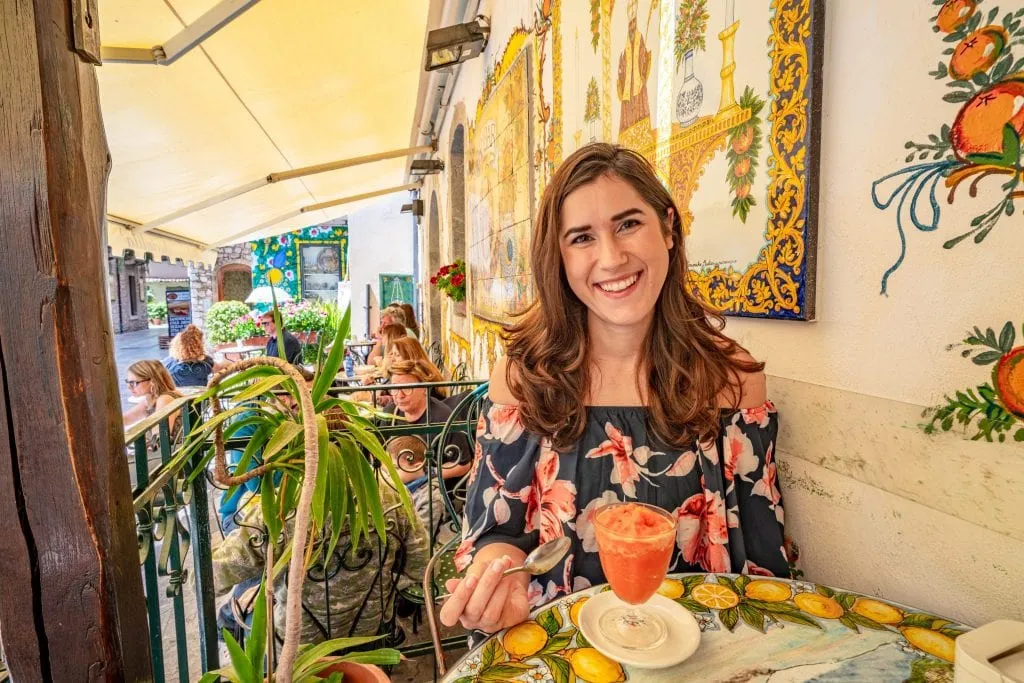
column 551, row 647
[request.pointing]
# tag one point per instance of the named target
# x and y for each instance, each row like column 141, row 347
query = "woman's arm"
column 134, row 414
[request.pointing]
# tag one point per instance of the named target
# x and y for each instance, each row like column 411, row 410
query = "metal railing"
column 173, row 514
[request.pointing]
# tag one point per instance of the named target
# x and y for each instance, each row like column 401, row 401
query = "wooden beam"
column 71, row 602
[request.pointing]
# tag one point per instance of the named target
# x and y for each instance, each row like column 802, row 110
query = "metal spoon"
column 543, row 559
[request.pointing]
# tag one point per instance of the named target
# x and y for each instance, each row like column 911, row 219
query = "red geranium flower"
column 458, row 280
column 433, row 280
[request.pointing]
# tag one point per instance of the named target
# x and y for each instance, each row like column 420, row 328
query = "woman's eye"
column 580, row 239
column 628, row 224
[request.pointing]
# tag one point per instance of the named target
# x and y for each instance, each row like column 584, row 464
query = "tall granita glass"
column 635, row 543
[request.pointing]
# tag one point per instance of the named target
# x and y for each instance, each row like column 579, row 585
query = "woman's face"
column 614, row 252
column 409, row 401
column 393, row 354
column 137, row 387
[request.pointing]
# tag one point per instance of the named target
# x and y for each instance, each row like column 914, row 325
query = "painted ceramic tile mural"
column 723, row 98
column 283, row 251
column 742, row 157
column 499, row 192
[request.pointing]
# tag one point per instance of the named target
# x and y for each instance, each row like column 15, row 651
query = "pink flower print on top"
column 504, row 423
column 739, row 455
column 759, row 415
column 625, row 473
column 768, row 486
column 585, row 520
column 702, row 532
column 551, row 501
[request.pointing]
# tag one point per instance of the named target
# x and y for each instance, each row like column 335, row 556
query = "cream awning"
column 287, row 84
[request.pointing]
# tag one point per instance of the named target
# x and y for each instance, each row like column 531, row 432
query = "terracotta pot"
column 460, row 307
column 256, row 341
column 356, row 673
column 306, row 337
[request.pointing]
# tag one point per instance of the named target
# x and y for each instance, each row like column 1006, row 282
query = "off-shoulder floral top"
column 724, row 493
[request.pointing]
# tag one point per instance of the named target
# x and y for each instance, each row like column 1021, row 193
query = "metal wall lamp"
column 424, row 167
column 453, row 45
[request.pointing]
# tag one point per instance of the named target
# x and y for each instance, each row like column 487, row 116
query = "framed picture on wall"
column 319, row 267
column 395, row 288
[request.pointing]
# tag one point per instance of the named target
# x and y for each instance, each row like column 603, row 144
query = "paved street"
column 134, row 346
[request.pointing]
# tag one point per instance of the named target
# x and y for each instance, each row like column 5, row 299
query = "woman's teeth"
column 618, row 285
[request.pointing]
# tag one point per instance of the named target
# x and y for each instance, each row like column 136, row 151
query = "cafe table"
column 361, row 349
column 241, row 352
column 752, row 629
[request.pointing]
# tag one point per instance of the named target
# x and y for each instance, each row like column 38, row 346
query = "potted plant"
column 305, row 319
column 326, row 482
column 220, row 321
column 451, row 280
column 157, row 313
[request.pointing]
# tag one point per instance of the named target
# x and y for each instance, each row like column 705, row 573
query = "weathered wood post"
column 71, row 602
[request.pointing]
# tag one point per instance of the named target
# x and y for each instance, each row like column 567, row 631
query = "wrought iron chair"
column 459, row 372
column 436, row 354
column 441, row 566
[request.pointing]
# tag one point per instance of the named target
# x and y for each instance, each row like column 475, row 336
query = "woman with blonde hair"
column 149, row 381
column 187, row 360
column 410, row 318
column 619, row 386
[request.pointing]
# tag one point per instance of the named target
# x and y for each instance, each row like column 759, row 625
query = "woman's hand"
column 485, row 600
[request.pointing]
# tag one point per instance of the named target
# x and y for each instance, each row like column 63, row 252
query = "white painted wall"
column 876, row 505
column 380, row 241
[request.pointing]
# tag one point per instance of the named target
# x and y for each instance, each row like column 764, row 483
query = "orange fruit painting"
column 978, row 128
column 978, row 52
column 955, row 14
column 1009, row 381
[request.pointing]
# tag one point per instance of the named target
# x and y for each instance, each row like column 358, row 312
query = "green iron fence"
column 173, row 514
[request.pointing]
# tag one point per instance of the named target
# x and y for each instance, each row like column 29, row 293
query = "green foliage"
column 222, row 321
column 248, row 664
column 979, row 409
column 451, row 280
column 742, row 155
column 304, row 316
column 156, row 311
column 346, row 493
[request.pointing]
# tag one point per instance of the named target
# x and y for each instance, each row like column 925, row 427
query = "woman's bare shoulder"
column 752, row 390
column 498, row 389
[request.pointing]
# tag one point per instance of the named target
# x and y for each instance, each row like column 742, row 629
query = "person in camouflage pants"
column 358, row 595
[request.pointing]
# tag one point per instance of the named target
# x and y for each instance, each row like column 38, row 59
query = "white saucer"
column 683, row 632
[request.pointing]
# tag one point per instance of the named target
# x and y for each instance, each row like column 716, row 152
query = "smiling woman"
column 619, row 387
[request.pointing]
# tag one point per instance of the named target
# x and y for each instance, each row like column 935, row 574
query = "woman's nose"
column 610, row 253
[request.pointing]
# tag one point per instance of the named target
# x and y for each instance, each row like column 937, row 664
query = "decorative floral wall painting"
column 283, row 253
column 995, row 409
column 725, row 99
column 741, row 156
column 500, row 186
column 977, row 148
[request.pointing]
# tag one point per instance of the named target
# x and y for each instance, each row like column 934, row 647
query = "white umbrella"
column 261, row 295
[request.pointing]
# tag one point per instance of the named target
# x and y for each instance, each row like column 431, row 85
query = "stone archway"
column 234, row 282
column 433, row 264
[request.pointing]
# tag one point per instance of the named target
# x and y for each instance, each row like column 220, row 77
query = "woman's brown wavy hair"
column 688, row 362
column 187, row 345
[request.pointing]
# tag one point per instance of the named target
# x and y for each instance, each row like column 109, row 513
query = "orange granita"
column 635, row 545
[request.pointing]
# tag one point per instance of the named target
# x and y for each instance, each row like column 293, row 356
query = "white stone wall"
column 203, row 286
column 875, row 504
